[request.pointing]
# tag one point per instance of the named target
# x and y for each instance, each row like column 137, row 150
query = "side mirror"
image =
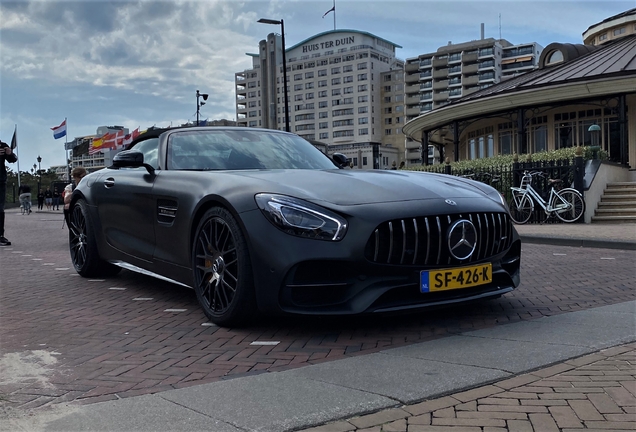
column 340, row 160
column 131, row 159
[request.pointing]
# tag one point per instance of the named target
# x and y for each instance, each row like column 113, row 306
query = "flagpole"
column 334, row 14
column 68, row 164
column 15, row 133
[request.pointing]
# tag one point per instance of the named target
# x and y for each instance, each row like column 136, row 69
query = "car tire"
column 223, row 278
column 83, row 245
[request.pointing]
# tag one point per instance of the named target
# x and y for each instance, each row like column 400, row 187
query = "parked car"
column 261, row 220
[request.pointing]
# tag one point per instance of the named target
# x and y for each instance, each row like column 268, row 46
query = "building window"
column 363, row 120
column 298, row 77
column 362, row 87
column 335, row 92
column 322, row 83
column 347, row 68
column 388, row 131
column 322, row 72
column 309, row 85
column 363, row 131
column 363, row 99
column 554, row 57
column 335, row 81
column 362, row 77
column 362, row 66
column 564, row 134
column 322, row 93
column 323, row 114
column 324, row 135
column 298, row 97
column 619, row 31
column 298, row 87
column 323, row 125
column 335, row 70
column 387, row 99
column 364, row 160
column 602, row 37
column 323, row 104
column 362, row 110
column 309, row 75
column 506, row 142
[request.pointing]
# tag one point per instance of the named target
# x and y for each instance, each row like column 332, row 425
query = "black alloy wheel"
column 83, row 246
column 222, row 269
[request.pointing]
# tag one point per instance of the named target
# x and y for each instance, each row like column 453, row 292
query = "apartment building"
column 433, row 80
column 611, row 28
column 335, row 85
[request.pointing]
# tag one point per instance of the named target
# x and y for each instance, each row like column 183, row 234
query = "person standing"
column 77, row 174
column 48, row 198
column 56, row 199
column 40, row 199
column 6, row 155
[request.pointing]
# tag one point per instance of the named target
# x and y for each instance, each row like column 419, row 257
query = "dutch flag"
column 59, row 131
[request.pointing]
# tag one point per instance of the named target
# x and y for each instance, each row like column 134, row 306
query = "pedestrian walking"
column 40, row 199
column 48, row 198
column 56, row 199
column 6, row 155
column 77, row 174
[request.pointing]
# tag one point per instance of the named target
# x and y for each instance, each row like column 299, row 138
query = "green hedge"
column 507, row 160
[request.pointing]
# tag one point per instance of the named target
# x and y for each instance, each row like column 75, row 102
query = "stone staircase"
column 618, row 204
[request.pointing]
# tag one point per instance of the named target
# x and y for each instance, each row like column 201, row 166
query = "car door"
column 126, row 206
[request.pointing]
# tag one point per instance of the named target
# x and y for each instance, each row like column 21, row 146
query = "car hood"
column 356, row 187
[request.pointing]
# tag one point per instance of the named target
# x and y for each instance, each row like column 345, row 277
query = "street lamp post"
column 282, row 30
column 39, row 159
column 204, row 96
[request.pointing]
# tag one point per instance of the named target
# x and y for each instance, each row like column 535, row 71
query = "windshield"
column 239, row 150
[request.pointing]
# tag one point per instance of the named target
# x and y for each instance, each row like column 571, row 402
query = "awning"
column 516, row 60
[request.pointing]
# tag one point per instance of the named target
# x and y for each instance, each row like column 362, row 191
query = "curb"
column 578, row 242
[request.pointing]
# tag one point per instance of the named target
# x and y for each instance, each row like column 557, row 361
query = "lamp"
column 204, row 96
column 594, row 131
column 39, row 159
column 282, row 30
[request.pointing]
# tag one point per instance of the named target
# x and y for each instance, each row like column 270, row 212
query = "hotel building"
column 344, row 89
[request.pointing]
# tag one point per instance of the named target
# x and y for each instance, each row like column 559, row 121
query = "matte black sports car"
column 261, row 220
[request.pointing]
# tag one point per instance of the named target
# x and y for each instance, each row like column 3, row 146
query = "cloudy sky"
column 139, row 63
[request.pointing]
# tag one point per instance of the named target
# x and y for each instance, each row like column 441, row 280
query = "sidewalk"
column 600, row 235
column 517, row 377
column 570, row 372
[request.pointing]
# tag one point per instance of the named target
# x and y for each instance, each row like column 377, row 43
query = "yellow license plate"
column 456, row 278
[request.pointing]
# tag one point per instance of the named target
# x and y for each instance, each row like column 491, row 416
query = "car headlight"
column 301, row 218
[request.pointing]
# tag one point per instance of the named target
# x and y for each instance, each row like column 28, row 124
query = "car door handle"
column 109, row 182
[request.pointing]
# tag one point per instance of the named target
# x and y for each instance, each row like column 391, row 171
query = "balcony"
column 439, row 85
column 413, row 100
column 411, row 67
column 413, row 111
column 470, row 69
column 440, row 62
column 412, row 78
column 470, row 80
column 469, row 58
column 440, row 73
column 455, row 70
column 426, row 63
column 412, row 88
column 439, row 97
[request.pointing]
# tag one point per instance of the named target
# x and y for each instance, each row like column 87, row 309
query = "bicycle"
column 567, row 204
column 25, row 204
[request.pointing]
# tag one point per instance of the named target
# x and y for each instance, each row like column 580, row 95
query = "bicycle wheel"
column 521, row 208
column 575, row 207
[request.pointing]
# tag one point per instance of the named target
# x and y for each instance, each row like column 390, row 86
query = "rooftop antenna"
column 499, row 26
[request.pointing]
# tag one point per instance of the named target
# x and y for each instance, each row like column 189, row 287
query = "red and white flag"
column 128, row 138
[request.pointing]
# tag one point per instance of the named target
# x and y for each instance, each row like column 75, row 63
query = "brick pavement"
column 596, row 392
column 95, row 340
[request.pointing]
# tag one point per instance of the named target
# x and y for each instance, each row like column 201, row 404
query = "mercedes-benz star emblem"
column 462, row 239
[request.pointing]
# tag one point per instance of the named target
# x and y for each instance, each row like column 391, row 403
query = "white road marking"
column 265, row 343
column 175, row 310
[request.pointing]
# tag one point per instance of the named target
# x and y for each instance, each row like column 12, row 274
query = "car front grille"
column 423, row 241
